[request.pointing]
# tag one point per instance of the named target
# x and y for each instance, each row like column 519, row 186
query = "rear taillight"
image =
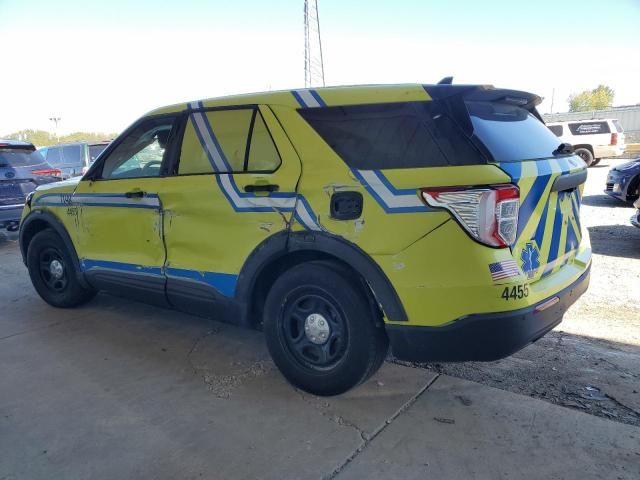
column 614, row 138
column 48, row 172
column 489, row 214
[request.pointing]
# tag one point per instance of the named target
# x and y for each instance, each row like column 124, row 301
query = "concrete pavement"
column 118, row 389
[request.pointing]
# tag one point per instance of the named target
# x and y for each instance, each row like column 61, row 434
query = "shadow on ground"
column 604, row 200
column 615, row 240
column 595, row 376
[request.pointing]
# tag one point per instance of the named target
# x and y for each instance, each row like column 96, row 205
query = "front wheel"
column 321, row 330
column 52, row 271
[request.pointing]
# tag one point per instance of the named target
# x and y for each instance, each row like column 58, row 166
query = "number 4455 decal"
column 515, row 292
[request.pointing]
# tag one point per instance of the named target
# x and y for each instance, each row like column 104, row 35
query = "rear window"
column 589, row 128
column 392, row 135
column 556, row 129
column 72, row 155
column 511, row 133
column 12, row 157
column 616, row 124
column 94, row 151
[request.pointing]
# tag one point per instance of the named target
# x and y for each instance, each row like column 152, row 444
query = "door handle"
column 135, row 194
column 268, row 187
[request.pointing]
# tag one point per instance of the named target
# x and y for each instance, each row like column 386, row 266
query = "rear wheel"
column 321, row 330
column 633, row 192
column 52, row 271
column 585, row 154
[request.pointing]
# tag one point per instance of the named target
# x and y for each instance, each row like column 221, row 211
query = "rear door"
column 550, row 183
column 233, row 187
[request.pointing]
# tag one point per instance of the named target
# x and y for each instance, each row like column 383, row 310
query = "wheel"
column 596, row 161
column 321, row 330
column 52, row 272
column 585, row 154
column 633, row 190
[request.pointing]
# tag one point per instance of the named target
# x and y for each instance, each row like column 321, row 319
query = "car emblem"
column 530, row 258
column 10, row 174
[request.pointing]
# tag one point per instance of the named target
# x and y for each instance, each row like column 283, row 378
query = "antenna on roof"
column 446, row 81
column 313, row 64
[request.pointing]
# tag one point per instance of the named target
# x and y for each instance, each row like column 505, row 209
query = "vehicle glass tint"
column 589, row 128
column 140, row 153
column 14, row 157
column 94, row 151
column 263, row 155
column 392, row 135
column 616, row 124
column 511, row 133
column 234, row 141
column 72, row 155
column 556, row 129
column 54, row 156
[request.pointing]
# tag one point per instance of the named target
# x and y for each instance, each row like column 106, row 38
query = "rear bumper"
column 483, row 337
column 10, row 214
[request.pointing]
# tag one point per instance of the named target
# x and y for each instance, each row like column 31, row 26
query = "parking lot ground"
column 118, row 389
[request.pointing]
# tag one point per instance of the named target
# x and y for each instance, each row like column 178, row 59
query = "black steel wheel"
column 53, row 272
column 321, row 329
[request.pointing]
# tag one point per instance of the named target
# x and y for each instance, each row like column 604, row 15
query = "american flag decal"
column 505, row 269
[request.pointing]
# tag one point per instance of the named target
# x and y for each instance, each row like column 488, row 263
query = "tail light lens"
column 614, row 138
column 50, row 172
column 489, row 214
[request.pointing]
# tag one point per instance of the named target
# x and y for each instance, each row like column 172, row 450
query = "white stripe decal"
column 391, row 199
column 97, row 199
column 308, row 98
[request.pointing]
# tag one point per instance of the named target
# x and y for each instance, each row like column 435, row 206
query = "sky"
column 100, row 65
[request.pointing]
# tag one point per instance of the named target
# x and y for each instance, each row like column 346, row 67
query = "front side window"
column 227, row 141
column 141, row 152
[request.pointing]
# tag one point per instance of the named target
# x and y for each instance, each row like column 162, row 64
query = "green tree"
column 599, row 98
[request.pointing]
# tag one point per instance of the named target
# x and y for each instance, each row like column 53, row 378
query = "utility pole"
column 553, row 97
column 55, row 120
column 313, row 62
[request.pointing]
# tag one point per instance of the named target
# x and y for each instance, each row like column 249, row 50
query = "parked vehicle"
column 22, row 169
column 73, row 159
column 623, row 181
column 592, row 140
column 443, row 219
column 635, row 219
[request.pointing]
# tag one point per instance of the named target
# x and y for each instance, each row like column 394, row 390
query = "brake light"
column 614, row 138
column 51, row 172
column 489, row 214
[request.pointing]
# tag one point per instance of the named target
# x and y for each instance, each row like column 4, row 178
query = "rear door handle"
column 135, row 194
column 261, row 188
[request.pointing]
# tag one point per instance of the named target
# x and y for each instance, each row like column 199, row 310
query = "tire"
column 585, row 154
column 596, row 161
column 327, row 358
column 633, row 190
column 52, row 271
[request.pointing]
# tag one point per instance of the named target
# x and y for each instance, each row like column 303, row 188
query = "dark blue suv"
column 22, row 169
column 623, row 181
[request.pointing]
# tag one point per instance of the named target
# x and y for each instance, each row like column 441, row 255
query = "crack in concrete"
column 367, row 441
column 633, row 411
column 51, row 325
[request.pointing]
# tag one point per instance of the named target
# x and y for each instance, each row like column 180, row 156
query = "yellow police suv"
column 442, row 219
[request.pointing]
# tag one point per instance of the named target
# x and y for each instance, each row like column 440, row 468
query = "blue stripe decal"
column 225, row 283
column 299, row 99
column 530, row 202
column 513, row 169
column 394, row 190
column 397, row 194
column 557, row 229
column 539, row 235
column 572, row 239
column 87, row 264
column 318, row 98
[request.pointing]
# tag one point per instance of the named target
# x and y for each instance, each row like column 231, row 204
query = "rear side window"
column 234, row 141
column 18, row 157
column 510, row 132
column 589, row 128
column 556, row 129
column 72, row 155
column 54, row 156
column 392, row 135
column 616, row 124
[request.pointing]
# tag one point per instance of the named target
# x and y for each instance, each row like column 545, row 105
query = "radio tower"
column 313, row 65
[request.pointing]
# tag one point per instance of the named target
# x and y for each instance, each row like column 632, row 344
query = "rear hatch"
column 22, row 169
column 506, row 125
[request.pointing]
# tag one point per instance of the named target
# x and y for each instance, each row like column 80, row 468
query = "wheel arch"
column 586, row 146
column 282, row 251
column 39, row 220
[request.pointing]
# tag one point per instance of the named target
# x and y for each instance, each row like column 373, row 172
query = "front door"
column 234, row 186
column 120, row 243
